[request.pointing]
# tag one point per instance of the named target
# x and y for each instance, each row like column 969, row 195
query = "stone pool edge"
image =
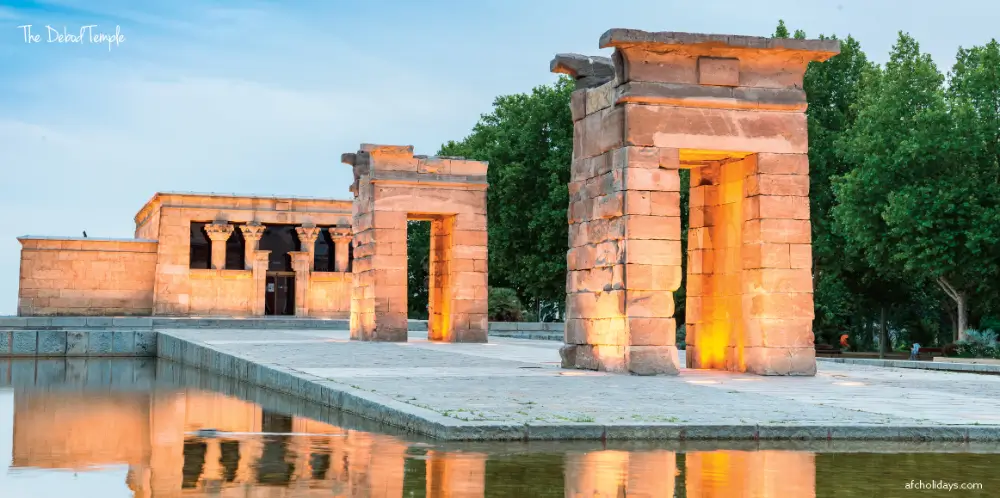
column 430, row 423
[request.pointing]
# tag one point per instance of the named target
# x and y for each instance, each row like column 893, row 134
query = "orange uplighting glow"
column 720, row 332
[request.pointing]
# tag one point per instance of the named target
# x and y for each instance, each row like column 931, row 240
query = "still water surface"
column 120, row 428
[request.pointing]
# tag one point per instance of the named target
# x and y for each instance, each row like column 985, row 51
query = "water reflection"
column 188, row 442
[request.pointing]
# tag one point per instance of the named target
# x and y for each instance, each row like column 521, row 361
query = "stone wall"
column 175, row 290
column 330, row 294
column 392, row 187
column 732, row 110
column 222, row 292
column 88, row 276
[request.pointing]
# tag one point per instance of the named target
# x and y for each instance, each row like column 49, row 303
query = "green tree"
column 418, row 254
column 781, row 31
column 528, row 141
column 917, row 203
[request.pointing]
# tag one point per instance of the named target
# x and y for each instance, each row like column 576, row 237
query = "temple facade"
column 243, row 256
column 200, row 254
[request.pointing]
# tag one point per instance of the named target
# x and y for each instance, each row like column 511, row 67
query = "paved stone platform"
column 514, row 389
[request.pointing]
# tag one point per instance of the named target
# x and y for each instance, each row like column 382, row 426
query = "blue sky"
column 263, row 97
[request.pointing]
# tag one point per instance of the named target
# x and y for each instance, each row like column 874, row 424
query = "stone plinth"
column 731, row 109
column 391, row 187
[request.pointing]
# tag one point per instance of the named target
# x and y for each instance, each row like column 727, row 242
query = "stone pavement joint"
column 513, row 389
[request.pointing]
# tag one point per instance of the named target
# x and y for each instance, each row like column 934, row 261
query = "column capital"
column 300, row 257
column 253, row 230
column 341, row 233
column 219, row 231
column 307, row 234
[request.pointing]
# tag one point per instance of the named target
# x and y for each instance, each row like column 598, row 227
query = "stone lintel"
column 690, row 95
column 411, row 178
column 588, row 71
column 387, row 149
column 710, row 44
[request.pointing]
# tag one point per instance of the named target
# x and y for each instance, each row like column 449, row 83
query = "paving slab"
column 514, row 389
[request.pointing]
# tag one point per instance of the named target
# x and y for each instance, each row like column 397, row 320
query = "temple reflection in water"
column 259, row 453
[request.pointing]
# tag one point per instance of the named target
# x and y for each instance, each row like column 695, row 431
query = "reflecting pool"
column 109, row 428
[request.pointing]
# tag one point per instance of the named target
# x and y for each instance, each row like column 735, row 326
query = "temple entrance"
column 393, row 188
column 279, row 293
column 715, row 332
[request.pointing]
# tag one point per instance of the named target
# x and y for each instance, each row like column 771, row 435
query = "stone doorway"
column 279, row 293
column 732, row 110
column 391, row 188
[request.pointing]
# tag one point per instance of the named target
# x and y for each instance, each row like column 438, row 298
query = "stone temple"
column 242, row 256
column 731, row 109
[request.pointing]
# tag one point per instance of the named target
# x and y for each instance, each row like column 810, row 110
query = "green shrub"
column 977, row 344
column 504, row 305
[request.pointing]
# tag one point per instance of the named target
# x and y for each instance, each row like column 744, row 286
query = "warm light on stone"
column 730, row 109
column 392, row 187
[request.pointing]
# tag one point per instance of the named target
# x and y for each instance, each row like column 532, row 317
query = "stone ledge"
column 620, row 37
column 70, row 342
column 920, row 365
column 687, row 95
column 428, row 422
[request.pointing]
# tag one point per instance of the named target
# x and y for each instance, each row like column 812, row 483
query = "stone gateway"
column 731, row 109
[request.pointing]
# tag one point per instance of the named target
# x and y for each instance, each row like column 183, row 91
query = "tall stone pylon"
column 732, row 110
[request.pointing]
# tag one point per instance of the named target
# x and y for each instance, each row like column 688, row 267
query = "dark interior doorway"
column 279, row 293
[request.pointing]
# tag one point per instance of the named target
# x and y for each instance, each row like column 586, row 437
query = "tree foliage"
column 528, row 141
column 921, row 200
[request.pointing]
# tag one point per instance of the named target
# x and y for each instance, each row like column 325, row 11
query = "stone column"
column 341, row 245
column 777, row 266
column 301, row 263
column 219, row 233
column 307, row 237
column 252, row 233
column 260, row 262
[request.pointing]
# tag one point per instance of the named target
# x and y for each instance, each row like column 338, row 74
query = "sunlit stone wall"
column 731, row 109
column 392, row 187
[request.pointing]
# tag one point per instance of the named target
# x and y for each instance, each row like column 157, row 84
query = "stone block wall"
column 624, row 261
column 330, row 294
column 180, row 290
column 392, row 187
column 732, row 110
column 88, row 276
column 222, row 292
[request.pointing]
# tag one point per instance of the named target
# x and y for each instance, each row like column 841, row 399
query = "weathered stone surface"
column 718, row 71
column 618, row 37
column 24, row 342
column 715, row 129
column 448, row 192
column 653, row 360
column 588, row 71
column 51, row 342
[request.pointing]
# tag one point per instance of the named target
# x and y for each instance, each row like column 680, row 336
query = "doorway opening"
column 279, row 293
column 714, row 322
column 418, row 256
column 430, row 279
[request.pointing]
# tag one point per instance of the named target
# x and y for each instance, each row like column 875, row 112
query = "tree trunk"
column 963, row 317
column 954, row 322
column 961, row 303
column 883, row 335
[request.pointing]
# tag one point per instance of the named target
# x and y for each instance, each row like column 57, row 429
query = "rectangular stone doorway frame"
column 392, row 187
column 731, row 109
